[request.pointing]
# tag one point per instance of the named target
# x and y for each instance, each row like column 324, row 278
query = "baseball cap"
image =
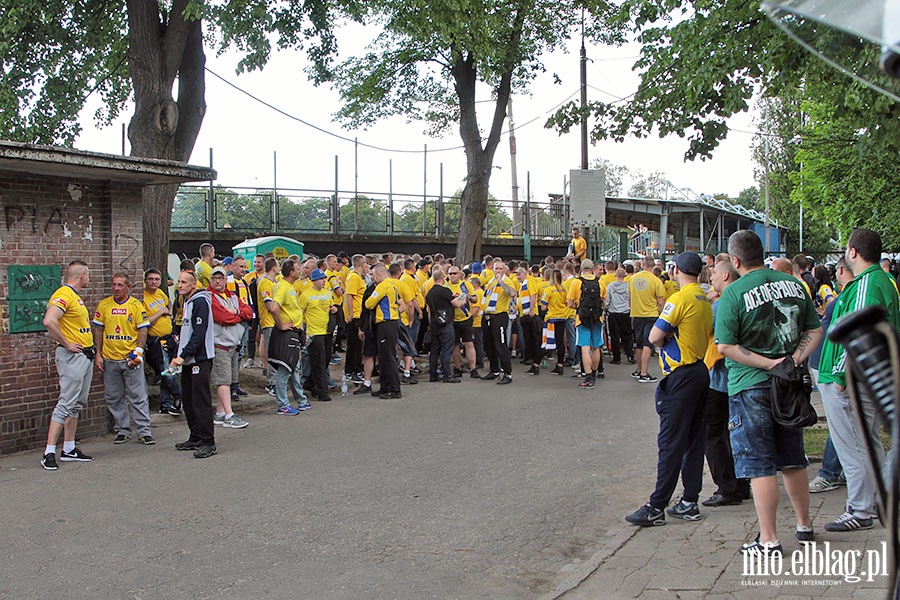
column 689, row 263
column 316, row 275
column 476, row 267
column 227, row 260
column 218, row 271
column 587, row 264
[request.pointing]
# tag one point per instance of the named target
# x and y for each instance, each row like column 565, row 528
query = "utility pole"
column 766, row 171
column 584, row 124
column 517, row 226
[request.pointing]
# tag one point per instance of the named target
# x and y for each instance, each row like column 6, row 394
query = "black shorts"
column 370, row 344
column 463, row 330
column 642, row 327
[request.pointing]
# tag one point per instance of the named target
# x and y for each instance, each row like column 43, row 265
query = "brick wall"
column 47, row 220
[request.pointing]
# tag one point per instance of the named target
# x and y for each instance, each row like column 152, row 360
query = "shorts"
column 642, row 327
column 221, row 367
column 370, row 344
column 590, row 335
column 463, row 331
column 759, row 444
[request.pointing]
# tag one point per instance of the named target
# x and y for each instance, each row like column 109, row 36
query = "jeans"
column 831, row 465
column 571, row 344
column 285, row 378
column 718, row 448
column 441, row 350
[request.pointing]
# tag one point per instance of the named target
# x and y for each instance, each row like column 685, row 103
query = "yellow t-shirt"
column 409, row 279
column 645, row 288
column 251, row 276
column 356, row 286
column 203, row 272
column 385, row 300
column 303, row 284
column 574, row 294
column 153, row 303
column 120, row 323
column 265, row 288
column 333, row 283
column 555, row 301
column 579, row 244
column 687, row 319
column 496, row 300
column 239, row 287
column 316, row 305
column 288, row 303
column 408, row 294
column 464, row 313
column 607, row 278
column 75, row 323
column 671, row 286
column 529, row 295
column 476, row 307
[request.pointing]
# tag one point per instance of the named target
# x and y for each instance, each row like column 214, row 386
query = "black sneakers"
column 205, row 451
column 48, row 461
column 647, row 516
column 689, row 511
column 76, row 455
column 504, row 379
column 187, row 445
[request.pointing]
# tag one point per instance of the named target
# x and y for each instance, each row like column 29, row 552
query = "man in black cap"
column 682, row 334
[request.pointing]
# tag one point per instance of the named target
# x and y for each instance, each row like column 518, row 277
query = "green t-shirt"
column 872, row 286
column 765, row 311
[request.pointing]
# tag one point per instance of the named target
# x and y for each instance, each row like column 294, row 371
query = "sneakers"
column 408, row 379
column 534, row 370
column 474, row 374
column 636, row 375
column 335, row 360
column 48, row 461
column 490, row 376
column 205, row 451
column 757, row 548
column 270, row 390
column 248, row 364
column 804, row 535
column 287, row 410
column 390, row 395
column 147, row 440
column 170, row 410
column 845, row 522
column 76, row 455
column 504, row 379
column 363, row 389
column 218, row 419
column 122, row 439
column 689, row 511
column 647, row 516
column 187, row 445
column 304, row 407
column 647, row 379
column 234, row 422
column 631, row 360
column 601, row 375
column 820, row 484
column 718, row 499
column 587, row 383
column 356, row 377
column 557, row 370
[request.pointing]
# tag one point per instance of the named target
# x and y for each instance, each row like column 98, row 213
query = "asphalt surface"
column 470, row 490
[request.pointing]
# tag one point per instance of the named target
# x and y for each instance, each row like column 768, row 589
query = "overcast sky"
column 244, row 134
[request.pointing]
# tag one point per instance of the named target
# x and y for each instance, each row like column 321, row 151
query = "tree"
column 57, row 53
column 365, row 215
column 653, row 185
column 702, row 62
column 431, row 57
column 615, row 176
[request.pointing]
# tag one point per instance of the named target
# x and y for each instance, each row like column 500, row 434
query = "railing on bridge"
column 212, row 209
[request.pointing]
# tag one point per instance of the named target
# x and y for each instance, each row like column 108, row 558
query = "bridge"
column 328, row 221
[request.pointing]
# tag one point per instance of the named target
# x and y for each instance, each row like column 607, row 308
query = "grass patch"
column 814, row 440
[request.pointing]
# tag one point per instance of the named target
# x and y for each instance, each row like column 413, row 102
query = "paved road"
column 454, row 491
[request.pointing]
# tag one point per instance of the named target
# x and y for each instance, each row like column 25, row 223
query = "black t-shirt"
column 439, row 300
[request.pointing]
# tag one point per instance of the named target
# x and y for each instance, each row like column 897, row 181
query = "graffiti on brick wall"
column 30, row 218
column 29, row 288
column 129, row 246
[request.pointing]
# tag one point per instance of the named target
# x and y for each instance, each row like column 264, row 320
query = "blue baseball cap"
column 476, row 267
column 317, row 274
column 227, row 260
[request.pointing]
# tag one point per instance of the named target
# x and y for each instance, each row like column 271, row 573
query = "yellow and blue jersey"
column 385, row 301
column 120, row 323
column 462, row 288
column 687, row 320
column 75, row 322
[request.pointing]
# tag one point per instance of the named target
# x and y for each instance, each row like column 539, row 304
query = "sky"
column 245, row 136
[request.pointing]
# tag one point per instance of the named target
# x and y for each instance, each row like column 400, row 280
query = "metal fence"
column 211, row 209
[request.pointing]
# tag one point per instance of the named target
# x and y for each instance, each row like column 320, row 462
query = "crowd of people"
column 718, row 324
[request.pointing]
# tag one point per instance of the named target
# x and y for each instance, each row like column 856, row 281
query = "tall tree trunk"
column 163, row 48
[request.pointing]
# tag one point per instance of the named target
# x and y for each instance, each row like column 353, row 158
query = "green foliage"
column 364, row 215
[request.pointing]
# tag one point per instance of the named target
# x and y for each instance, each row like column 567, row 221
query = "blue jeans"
column 831, row 465
column 293, row 379
column 760, row 446
column 571, row 345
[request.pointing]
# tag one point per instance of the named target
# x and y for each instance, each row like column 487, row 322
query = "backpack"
column 590, row 307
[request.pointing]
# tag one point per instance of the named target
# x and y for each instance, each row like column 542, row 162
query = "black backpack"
column 590, row 307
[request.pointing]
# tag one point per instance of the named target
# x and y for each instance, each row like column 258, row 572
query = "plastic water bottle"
column 344, row 386
column 170, row 371
column 544, row 363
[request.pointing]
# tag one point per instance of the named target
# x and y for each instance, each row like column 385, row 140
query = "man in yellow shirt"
column 498, row 293
column 528, row 300
column 404, row 337
column 586, row 294
column 204, row 267
column 647, row 299
column 408, row 278
column 317, row 306
column 120, row 333
column 578, row 245
column 335, row 284
column 682, row 333
column 68, row 322
column 237, row 284
column 463, row 330
column 287, row 340
column 265, row 290
column 388, row 305
column 160, row 344
column 355, row 286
